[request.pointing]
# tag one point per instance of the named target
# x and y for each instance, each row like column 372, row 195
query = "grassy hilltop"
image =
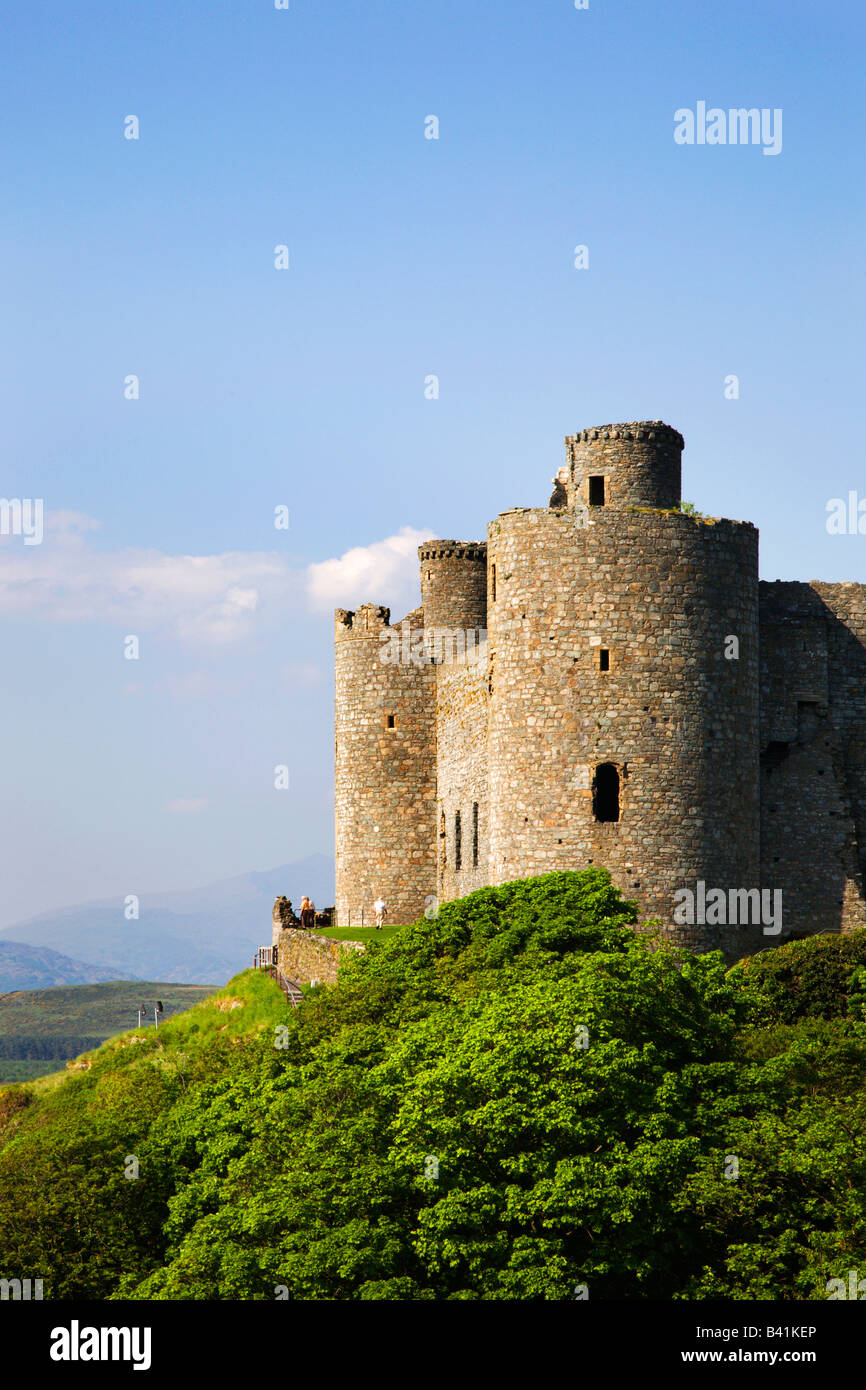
column 516, row 1100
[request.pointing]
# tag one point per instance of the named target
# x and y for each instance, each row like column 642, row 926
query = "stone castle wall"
column 813, row 758
column 658, row 593
column 385, row 769
column 453, row 584
column 454, row 601
column 741, row 771
column 311, row 959
column 640, row 463
column 461, row 742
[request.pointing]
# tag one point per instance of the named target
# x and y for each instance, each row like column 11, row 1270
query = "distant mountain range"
column 197, row 936
column 34, row 967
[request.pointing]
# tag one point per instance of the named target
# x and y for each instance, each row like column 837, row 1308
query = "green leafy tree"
column 517, row 1099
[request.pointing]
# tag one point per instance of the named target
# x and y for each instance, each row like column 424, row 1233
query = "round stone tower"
column 623, row 685
column 385, row 767
column 454, row 584
column 454, row 591
column 636, row 465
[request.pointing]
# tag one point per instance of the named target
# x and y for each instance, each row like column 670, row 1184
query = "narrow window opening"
column 493, row 582
column 605, row 793
column 458, row 847
column 475, row 834
column 443, row 842
column 604, row 659
column 596, row 490
column 390, row 721
column 775, row 753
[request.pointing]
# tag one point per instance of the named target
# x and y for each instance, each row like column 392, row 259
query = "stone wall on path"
column 308, row 958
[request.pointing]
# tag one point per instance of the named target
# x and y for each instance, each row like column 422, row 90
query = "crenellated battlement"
column 453, row 550
column 637, row 431
column 370, row 617
column 616, row 466
column 454, row 583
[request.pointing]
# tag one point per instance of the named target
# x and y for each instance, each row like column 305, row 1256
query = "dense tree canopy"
column 521, row 1099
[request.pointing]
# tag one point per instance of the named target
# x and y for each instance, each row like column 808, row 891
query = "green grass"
column 41, row 1085
column 258, row 1003
column 101, row 1008
column 360, row 933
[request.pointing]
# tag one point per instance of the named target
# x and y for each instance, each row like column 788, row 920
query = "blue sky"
column 305, row 387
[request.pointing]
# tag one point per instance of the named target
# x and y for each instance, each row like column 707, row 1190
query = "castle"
column 607, row 682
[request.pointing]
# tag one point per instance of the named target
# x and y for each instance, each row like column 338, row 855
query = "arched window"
column 605, row 792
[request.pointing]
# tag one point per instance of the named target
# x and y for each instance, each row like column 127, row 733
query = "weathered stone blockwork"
column 813, row 759
column 606, row 622
column 453, row 584
column 658, row 593
column 462, row 716
column 311, row 959
column 640, row 464
column 385, row 770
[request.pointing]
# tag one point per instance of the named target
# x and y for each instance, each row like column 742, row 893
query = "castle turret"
column 623, row 721
column 385, row 767
column 633, row 465
column 454, row 584
column 581, row 690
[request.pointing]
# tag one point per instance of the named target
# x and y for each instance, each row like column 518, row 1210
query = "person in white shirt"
column 380, row 909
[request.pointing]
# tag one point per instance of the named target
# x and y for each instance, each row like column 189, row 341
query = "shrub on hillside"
column 511, row 1101
column 820, row 977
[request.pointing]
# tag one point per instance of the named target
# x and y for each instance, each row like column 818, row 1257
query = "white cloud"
column 385, row 572
column 189, row 807
column 200, row 599
column 210, row 598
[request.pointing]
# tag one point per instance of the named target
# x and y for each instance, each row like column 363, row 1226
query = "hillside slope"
column 40, row 1030
column 511, row 1102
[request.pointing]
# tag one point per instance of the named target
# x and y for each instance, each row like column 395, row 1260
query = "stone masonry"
column 606, row 682
column 309, row 958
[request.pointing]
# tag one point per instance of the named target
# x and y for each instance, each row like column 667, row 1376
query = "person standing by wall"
column 380, row 909
column 308, row 914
